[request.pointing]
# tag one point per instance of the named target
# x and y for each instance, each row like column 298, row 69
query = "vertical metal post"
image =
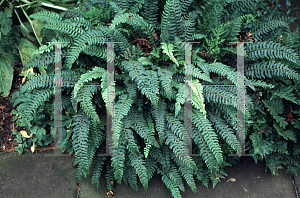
column 57, row 130
column 240, row 100
column 188, row 101
column 110, row 78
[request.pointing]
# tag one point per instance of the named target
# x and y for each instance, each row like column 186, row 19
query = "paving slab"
column 30, row 175
column 251, row 181
column 36, row 175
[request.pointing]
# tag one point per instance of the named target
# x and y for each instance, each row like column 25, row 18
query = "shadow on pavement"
column 251, row 181
column 36, row 175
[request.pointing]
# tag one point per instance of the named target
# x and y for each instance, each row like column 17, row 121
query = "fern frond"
column 139, row 164
column 80, row 22
column 213, row 94
column 96, row 170
column 46, row 16
column 257, row 83
column 179, row 99
column 197, row 96
column 80, row 139
column 267, row 69
column 97, row 135
column 171, row 22
column 196, row 73
column 150, row 12
column 97, row 72
column 272, row 106
column 94, row 50
column 131, row 176
column 179, row 148
column 286, row 93
column 34, row 100
column 169, row 183
column 85, row 96
column 117, row 162
column 89, row 37
column 174, row 175
column 153, row 82
column 271, row 50
column 159, row 115
column 121, row 109
column 239, row 7
column 223, row 70
column 175, row 126
column 139, row 75
column 141, row 127
column 189, row 24
column 205, row 152
column 165, row 77
column 224, row 130
column 286, row 134
column 40, row 81
column 208, row 134
column 268, row 26
column 168, row 50
column 187, row 173
column 136, row 21
column 157, row 154
column 43, row 61
column 151, row 166
column 69, row 28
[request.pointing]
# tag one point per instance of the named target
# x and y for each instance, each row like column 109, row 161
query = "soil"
column 7, row 126
column 295, row 13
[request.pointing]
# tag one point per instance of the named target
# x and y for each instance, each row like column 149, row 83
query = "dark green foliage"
column 9, row 36
column 149, row 133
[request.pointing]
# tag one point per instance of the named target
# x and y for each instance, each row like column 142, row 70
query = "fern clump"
column 150, row 83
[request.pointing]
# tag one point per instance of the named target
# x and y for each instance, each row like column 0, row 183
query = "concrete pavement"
column 36, row 175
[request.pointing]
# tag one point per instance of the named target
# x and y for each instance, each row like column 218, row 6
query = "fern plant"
column 150, row 83
column 17, row 42
column 275, row 59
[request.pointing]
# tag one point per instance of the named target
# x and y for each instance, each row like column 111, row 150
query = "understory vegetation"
column 150, row 82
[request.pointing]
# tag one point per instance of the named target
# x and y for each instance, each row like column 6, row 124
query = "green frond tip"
column 121, row 109
column 69, row 28
column 223, row 70
column 139, row 165
column 97, row 72
column 80, row 139
column 179, row 148
column 197, row 96
column 87, row 39
column 135, row 20
column 271, row 69
column 168, row 49
column 271, row 50
column 141, row 127
column 85, row 96
column 46, row 16
column 207, row 131
column 147, row 80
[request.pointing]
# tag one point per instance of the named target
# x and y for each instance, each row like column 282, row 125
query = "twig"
column 295, row 186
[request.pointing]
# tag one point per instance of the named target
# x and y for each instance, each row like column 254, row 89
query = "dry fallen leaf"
column 231, row 179
column 2, row 107
column 24, row 134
